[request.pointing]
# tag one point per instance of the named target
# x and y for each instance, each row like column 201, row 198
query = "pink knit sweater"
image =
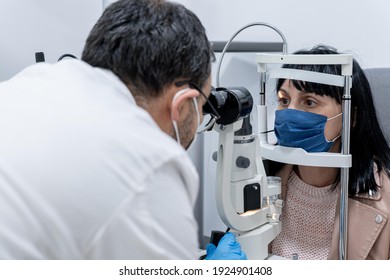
column 307, row 221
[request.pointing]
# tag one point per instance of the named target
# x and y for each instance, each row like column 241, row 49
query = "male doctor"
column 92, row 153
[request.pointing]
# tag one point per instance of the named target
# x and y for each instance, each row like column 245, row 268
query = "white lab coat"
column 87, row 174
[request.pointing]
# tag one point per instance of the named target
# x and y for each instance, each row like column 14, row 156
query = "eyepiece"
column 232, row 104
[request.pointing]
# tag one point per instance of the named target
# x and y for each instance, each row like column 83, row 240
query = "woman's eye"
column 283, row 101
column 310, row 103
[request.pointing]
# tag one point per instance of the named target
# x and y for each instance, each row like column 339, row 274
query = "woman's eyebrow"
column 301, row 92
column 308, row 93
column 283, row 90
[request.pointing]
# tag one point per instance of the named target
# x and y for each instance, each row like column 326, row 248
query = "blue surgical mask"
column 300, row 129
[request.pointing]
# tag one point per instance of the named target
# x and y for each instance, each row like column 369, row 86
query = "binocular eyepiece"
column 228, row 105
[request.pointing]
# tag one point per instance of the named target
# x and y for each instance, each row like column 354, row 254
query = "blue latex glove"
column 228, row 249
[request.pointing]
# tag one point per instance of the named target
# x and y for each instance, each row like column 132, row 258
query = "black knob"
column 215, row 156
column 243, row 162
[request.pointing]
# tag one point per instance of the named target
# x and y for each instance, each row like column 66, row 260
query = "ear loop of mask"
column 176, row 131
column 174, row 123
column 330, row 120
column 198, row 118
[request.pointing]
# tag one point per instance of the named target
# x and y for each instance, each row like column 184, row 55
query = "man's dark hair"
column 149, row 44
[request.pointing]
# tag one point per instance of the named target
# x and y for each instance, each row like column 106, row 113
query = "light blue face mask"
column 300, row 129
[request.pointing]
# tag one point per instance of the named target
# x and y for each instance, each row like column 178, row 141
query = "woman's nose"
column 293, row 105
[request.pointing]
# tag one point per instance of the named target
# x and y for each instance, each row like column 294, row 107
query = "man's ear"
column 179, row 99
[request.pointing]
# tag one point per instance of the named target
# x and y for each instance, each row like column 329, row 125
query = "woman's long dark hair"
column 368, row 144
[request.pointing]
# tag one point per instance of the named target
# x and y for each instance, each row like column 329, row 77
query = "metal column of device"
column 342, row 160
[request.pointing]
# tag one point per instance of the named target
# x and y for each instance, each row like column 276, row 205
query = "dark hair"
column 148, row 44
column 367, row 142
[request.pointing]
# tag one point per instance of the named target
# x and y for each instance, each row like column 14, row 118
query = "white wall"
column 54, row 27
column 358, row 27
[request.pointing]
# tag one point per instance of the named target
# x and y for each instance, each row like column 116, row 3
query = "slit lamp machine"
column 249, row 201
